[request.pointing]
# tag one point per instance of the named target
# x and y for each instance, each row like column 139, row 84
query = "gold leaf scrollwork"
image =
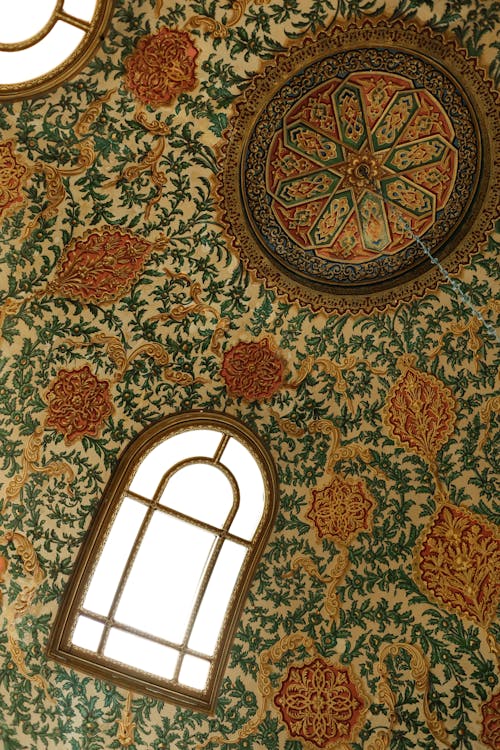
column 91, row 114
column 339, row 452
column 288, row 427
column 338, row 570
column 266, row 661
column 420, row 673
column 19, row 607
column 381, row 741
column 492, row 406
column 149, row 162
column 218, row 335
column 54, row 194
column 126, row 726
column 31, row 465
column 217, row 29
column 475, row 342
column 117, row 354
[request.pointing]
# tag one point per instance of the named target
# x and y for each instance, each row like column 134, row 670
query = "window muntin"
column 45, row 42
column 161, row 580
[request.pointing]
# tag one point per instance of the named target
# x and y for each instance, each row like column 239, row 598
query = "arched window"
column 162, row 577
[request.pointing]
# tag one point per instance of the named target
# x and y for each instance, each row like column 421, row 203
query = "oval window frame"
column 94, row 34
column 60, row 646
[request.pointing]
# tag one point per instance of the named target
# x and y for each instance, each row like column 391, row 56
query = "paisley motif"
column 457, row 563
column 100, row 266
column 420, row 412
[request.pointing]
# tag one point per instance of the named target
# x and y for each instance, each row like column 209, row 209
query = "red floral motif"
column 101, row 266
column 78, row 403
column 162, row 67
column 341, row 510
column 457, row 564
column 253, row 370
column 321, row 703
column 12, row 175
column 491, row 722
column 421, row 412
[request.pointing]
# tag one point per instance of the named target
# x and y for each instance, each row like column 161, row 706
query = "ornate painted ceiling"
column 154, row 261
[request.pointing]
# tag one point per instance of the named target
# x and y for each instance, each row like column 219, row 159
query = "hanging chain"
column 457, row 288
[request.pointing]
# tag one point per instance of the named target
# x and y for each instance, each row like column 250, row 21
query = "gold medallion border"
column 468, row 238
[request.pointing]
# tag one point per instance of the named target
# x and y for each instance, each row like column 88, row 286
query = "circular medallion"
column 350, row 150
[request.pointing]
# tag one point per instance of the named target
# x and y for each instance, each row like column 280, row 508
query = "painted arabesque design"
column 401, row 405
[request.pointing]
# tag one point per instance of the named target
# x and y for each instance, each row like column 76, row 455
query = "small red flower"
column 78, row 403
column 253, row 370
column 162, row 67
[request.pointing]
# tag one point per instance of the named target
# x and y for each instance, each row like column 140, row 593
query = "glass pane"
column 21, row 20
column 87, row 633
column 83, row 9
column 138, row 652
column 120, row 541
column 246, row 471
column 214, row 604
column 188, row 444
column 51, row 51
column 164, row 580
column 194, row 672
column 200, row 491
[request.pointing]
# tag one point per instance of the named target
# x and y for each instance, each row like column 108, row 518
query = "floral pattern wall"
column 371, row 620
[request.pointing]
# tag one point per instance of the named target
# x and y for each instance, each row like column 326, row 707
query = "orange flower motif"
column 421, row 412
column 12, row 175
column 101, row 266
column 491, row 722
column 457, row 563
column 78, row 403
column 162, row 67
column 341, row 510
column 253, row 370
column 321, row 703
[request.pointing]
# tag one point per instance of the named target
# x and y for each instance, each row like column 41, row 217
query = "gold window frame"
column 94, row 34
column 60, row 646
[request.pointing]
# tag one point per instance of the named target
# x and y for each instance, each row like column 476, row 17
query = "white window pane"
column 194, row 672
column 247, row 473
column 83, row 9
column 21, row 20
column 164, row 580
column 200, row 491
column 188, row 444
column 214, row 604
column 119, row 543
column 87, row 633
column 140, row 653
column 52, row 50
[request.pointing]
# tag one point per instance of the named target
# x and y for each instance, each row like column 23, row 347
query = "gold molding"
column 95, row 30
column 136, row 680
